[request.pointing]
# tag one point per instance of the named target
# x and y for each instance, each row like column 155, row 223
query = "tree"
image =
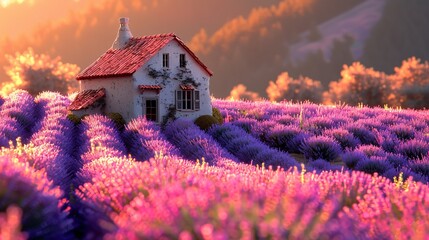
column 300, row 89
column 39, row 72
column 360, row 85
column 240, row 92
column 411, row 83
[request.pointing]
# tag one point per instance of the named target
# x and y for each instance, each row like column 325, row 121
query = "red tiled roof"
column 125, row 61
column 86, row 98
column 186, row 87
column 143, row 88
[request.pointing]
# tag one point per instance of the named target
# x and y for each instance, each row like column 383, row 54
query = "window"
column 151, row 109
column 182, row 60
column 188, row 100
column 165, row 60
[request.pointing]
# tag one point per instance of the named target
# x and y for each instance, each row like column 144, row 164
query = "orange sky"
column 79, row 31
column 19, row 19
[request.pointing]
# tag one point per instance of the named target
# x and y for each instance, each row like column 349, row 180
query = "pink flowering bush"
column 42, row 203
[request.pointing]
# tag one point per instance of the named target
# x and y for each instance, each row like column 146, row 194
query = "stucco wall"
column 119, row 94
column 166, row 96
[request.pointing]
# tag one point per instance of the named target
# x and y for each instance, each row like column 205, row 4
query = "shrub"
column 30, row 190
column 320, row 148
column 397, row 160
column 364, row 135
column 117, row 119
column 205, row 122
column 285, row 119
column 343, row 137
column 359, row 84
column 144, row 140
column 415, row 176
column 373, row 165
column 194, row 143
column 286, row 138
column 217, row 115
column 74, row 119
column 414, row 149
column 247, row 148
column 389, row 142
column 403, row 132
column 317, row 125
column 247, row 124
column 352, row 158
column 371, row 150
column 319, row 164
column 301, row 89
column 421, row 167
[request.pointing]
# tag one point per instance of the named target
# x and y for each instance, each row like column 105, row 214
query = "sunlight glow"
column 6, row 3
column 28, row 70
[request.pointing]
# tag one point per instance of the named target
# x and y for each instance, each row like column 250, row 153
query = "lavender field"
column 270, row 171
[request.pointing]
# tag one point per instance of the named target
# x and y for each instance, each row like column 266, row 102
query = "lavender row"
column 315, row 131
column 240, row 201
column 194, row 143
column 54, row 141
column 18, row 114
column 44, row 215
column 144, row 140
column 248, row 149
column 264, row 110
column 100, row 138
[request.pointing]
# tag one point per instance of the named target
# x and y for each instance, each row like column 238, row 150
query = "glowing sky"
column 80, row 30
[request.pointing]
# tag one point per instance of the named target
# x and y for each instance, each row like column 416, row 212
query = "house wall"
column 166, row 97
column 119, row 94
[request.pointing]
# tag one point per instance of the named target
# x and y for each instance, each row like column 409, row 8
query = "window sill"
column 186, row 110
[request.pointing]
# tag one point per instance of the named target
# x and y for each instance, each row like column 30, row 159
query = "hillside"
column 357, row 23
column 401, row 33
column 141, row 180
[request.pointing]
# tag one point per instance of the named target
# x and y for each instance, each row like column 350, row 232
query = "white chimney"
column 124, row 34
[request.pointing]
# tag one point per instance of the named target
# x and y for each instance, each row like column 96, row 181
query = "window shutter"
column 197, row 100
column 179, row 101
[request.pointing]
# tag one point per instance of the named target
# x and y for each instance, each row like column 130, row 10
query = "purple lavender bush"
column 373, row 165
column 414, row 149
column 352, row 158
column 317, row 125
column 286, row 138
column 100, row 138
column 403, row 132
column 319, row 147
column 365, row 136
column 20, row 106
column 346, row 140
column 194, row 143
column 144, row 140
column 40, row 201
column 248, row 149
column 10, row 131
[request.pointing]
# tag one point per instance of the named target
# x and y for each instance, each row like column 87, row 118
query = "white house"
column 156, row 76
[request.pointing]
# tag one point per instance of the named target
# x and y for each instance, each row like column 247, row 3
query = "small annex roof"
column 156, row 88
column 87, row 98
column 125, row 61
column 187, row 87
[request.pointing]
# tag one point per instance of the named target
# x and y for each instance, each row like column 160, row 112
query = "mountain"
column 357, row 23
column 401, row 33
